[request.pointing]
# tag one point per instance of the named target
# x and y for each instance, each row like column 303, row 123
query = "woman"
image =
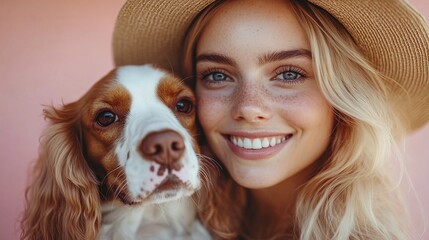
column 301, row 104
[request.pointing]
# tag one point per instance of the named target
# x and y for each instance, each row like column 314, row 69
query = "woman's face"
column 258, row 101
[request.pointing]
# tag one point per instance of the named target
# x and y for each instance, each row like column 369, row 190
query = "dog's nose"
column 164, row 147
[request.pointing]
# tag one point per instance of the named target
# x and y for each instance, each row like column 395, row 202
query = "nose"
column 251, row 104
column 163, row 147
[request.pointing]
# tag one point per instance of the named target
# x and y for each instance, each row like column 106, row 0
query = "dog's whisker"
column 171, row 66
column 117, row 177
column 183, row 80
column 121, row 187
column 207, row 184
column 123, row 184
column 210, row 161
column 205, row 173
column 110, row 172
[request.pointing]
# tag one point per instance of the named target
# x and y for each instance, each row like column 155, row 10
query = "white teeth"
column 240, row 142
column 265, row 143
column 247, row 143
column 257, row 143
column 273, row 142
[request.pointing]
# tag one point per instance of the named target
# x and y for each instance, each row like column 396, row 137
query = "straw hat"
column 392, row 35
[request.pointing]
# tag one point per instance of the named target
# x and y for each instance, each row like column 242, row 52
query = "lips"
column 258, row 143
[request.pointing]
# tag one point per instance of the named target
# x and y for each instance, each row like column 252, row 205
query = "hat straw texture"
column 152, row 31
column 395, row 38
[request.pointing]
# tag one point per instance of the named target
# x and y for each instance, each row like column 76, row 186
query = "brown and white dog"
column 119, row 163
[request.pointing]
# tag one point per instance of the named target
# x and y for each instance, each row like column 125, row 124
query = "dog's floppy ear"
column 63, row 200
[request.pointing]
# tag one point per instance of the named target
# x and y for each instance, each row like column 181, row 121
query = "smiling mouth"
column 258, row 143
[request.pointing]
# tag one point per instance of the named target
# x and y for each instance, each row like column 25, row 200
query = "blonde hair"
column 352, row 196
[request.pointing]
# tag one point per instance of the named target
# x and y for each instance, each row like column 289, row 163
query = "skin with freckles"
column 259, row 104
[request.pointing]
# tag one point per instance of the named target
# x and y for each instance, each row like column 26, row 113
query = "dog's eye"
column 184, row 106
column 106, row 118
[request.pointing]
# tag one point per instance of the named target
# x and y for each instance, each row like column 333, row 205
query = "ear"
column 63, row 200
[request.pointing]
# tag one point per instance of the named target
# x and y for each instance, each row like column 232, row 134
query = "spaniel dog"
column 119, row 163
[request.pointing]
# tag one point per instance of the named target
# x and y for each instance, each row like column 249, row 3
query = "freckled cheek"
column 211, row 108
column 306, row 111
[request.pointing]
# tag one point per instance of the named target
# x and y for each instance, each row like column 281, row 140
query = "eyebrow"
column 283, row 55
column 266, row 58
column 217, row 58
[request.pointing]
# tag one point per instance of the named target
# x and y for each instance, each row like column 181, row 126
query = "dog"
column 119, row 163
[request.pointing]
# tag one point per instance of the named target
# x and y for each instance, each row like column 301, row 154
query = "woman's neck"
column 272, row 209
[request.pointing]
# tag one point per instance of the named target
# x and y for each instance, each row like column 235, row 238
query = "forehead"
column 252, row 24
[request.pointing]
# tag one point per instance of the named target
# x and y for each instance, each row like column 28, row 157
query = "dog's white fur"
column 171, row 219
column 149, row 114
column 92, row 178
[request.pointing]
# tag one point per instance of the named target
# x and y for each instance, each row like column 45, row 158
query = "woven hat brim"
column 395, row 38
column 392, row 35
column 152, row 31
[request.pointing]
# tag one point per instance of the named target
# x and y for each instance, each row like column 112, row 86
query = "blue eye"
column 217, row 76
column 214, row 77
column 290, row 75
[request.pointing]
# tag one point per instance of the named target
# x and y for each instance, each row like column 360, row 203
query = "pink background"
column 53, row 51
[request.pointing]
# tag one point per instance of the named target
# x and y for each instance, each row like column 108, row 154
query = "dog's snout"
column 164, row 147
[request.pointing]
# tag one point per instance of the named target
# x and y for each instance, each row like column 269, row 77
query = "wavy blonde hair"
column 353, row 195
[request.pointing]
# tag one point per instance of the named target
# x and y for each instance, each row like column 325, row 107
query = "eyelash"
column 301, row 74
column 300, row 79
column 205, row 74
